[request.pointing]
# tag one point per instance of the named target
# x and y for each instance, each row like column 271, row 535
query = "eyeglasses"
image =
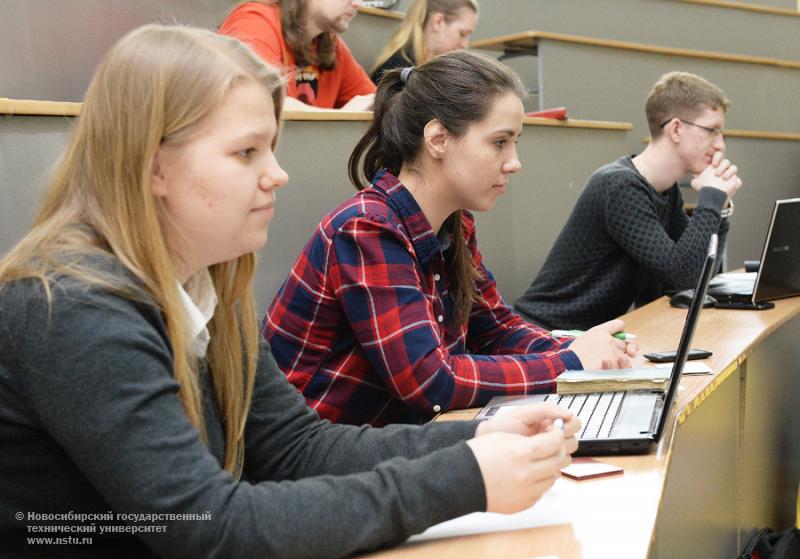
column 711, row 131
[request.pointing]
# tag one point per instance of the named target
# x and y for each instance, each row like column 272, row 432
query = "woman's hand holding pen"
column 529, row 420
column 521, row 453
column 599, row 349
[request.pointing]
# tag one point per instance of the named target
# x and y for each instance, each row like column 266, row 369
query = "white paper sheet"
column 689, row 368
column 551, row 509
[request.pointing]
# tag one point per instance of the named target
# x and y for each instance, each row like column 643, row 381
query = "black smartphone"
column 669, row 356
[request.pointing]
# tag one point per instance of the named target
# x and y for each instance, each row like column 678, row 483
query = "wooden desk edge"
column 39, row 108
column 62, row 108
column 576, row 123
column 744, row 6
column 753, row 135
column 524, row 40
column 328, row 115
column 334, row 115
column 65, row 108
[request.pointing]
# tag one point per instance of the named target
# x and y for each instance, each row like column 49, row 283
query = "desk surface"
column 616, row 516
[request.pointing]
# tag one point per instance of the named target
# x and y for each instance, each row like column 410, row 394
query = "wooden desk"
column 727, row 462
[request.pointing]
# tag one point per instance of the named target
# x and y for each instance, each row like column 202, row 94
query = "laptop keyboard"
column 732, row 287
column 596, row 411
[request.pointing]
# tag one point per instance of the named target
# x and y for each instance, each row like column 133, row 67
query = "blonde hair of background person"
column 89, row 412
column 102, row 203
column 423, row 19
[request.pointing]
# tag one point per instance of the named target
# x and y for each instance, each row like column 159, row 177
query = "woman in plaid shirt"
column 389, row 314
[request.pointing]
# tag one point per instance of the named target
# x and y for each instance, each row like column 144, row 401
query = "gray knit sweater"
column 624, row 243
column 91, row 423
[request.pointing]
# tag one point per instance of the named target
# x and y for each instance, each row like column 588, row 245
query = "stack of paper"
column 612, row 380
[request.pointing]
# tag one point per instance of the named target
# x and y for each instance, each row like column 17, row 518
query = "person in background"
column 139, row 413
column 389, row 314
column 430, row 27
column 628, row 239
column 302, row 38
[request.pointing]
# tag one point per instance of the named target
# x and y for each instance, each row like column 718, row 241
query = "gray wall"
column 787, row 4
column 49, row 48
column 764, row 97
column 658, row 22
column 367, row 35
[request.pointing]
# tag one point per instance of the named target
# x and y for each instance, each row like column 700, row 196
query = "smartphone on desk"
column 669, row 356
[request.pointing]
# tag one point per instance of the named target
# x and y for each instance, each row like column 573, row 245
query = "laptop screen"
column 779, row 271
column 692, row 317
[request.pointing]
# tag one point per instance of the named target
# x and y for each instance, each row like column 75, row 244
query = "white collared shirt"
column 199, row 301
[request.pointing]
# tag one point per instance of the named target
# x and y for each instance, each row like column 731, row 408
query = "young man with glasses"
column 629, row 239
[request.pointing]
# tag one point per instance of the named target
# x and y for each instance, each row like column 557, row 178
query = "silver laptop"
column 626, row 422
column 778, row 273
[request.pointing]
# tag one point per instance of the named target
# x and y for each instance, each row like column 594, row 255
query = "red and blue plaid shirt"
column 362, row 324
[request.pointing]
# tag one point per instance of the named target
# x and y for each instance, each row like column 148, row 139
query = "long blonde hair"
column 157, row 84
column 409, row 37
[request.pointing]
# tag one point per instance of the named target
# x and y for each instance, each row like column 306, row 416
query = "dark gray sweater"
column 624, row 243
column 91, row 423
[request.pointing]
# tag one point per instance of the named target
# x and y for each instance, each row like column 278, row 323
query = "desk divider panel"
column 763, row 97
column 771, row 461
column 702, row 25
column 514, row 237
column 698, row 513
column 29, row 146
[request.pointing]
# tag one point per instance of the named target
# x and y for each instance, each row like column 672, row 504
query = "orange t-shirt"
column 259, row 25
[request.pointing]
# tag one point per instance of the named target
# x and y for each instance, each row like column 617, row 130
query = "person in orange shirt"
column 302, row 38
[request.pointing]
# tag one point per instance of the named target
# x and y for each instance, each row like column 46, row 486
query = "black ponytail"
column 378, row 146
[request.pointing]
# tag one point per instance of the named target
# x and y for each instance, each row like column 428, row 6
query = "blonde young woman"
column 430, row 27
column 139, row 415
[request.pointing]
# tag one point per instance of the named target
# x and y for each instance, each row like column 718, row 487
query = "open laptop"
column 627, row 422
column 778, row 273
